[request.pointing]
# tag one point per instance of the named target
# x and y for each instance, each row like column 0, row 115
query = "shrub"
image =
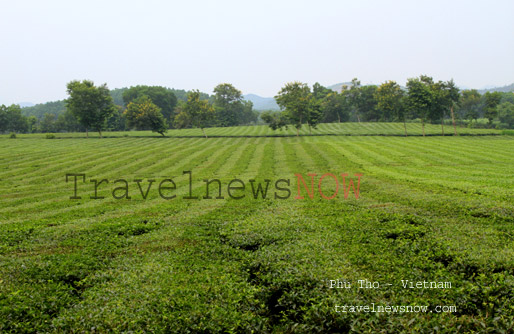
column 50, row 136
column 12, row 135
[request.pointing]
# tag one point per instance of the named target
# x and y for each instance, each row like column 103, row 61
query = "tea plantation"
column 435, row 209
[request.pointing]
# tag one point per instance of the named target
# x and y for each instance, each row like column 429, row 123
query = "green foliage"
column 143, row 114
column 390, row 99
column 426, row 212
column 505, row 112
column 275, row 119
column 336, row 108
column 228, row 104
column 195, row 112
column 12, row 120
column 296, row 100
column 162, row 97
column 47, row 124
column 419, row 98
column 12, row 135
column 470, row 105
column 491, row 101
column 91, row 105
column 39, row 110
column 50, row 136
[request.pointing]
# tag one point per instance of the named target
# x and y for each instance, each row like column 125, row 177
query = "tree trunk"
column 423, row 125
column 204, row 133
column 442, row 126
column 310, row 131
column 405, row 127
column 453, row 121
column 87, row 133
column 297, row 133
column 100, row 132
column 338, row 118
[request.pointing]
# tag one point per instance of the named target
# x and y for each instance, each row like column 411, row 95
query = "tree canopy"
column 91, row 105
column 143, row 114
column 162, row 97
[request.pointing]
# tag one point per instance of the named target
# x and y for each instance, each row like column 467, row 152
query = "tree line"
column 158, row 109
column 154, row 108
column 423, row 100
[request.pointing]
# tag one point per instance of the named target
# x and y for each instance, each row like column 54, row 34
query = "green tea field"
column 222, row 257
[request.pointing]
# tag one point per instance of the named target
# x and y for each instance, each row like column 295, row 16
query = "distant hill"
column 504, row 89
column 262, row 103
column 39, row 110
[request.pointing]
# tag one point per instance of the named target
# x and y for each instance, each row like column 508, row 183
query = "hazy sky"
column 255, row 45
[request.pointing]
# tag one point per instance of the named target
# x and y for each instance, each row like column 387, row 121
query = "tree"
column 228, row 104
column 295, row 100
column 117, row 121
column 470, row 104
column 390, row 96
column 366, row 103
column 3, row 118
column 48, row 123
column 491, row 101
column 440, row 102
column 505, row 113
column 320, row 92
column 249, row 115
column 335, row 108
column 453, row 97
column 143, row 114
column 419, row 98
column 275, row 119
column 91, row 105
column 32, row 124
column 195, row 112
column 162, row 97
column 12, row 120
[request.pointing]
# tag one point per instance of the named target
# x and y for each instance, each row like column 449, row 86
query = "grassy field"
column 339, row 129
column 429, row 209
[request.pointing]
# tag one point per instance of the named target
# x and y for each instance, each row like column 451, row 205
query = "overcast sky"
column 255, row 45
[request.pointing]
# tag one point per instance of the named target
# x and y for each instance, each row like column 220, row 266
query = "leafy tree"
column 48, row 123
column 295, row 99
column 315, row 113
column 162, row 97
column 228, row 104
column 390, row 97
column 470, row 105
column 12, row 120
column 3, row 118
column 249, row 115
column 117, row 121
column 352, row 94
column 196, row 112
column 91, row 105
column 491, row 101
column 335, row 108
column 366, row 103
column 143, row 114
column 32, row 124
column 419, row 98
column 68, row 122
column 505, row 113
column 453, row 95
column 275, row 119
column 320, row 92
column 440, row 102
